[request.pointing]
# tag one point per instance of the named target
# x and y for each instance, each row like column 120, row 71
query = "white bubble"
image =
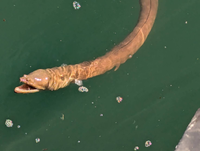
column 148, row 143
column 83, row 89
column 62, row 65
column 136, row 148
column 9, row 123
column 119, row 99
column 78, row 82
column 76, row 5
column 62, row 117
column 37, row 140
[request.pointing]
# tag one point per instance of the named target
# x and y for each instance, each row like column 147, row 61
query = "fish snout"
column 23, row 79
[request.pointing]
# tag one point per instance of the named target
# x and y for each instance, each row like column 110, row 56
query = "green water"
column 159, row 85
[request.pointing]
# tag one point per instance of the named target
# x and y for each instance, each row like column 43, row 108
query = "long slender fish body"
column 59, row 77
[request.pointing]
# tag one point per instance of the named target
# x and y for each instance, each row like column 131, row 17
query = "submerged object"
column 191, row 137
column 76, row 5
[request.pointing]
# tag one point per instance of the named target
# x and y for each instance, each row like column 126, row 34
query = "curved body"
column 59, row 77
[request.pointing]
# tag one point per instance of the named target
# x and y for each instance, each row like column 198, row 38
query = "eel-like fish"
column 59, row 77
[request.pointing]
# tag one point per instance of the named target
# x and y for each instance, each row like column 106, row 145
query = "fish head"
column 34, row 82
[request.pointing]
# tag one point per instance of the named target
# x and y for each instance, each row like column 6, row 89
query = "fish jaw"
column 25, row 88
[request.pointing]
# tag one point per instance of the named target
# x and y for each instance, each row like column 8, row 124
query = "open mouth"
column 25, row 88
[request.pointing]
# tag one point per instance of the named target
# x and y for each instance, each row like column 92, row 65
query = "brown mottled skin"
column 59, row 77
